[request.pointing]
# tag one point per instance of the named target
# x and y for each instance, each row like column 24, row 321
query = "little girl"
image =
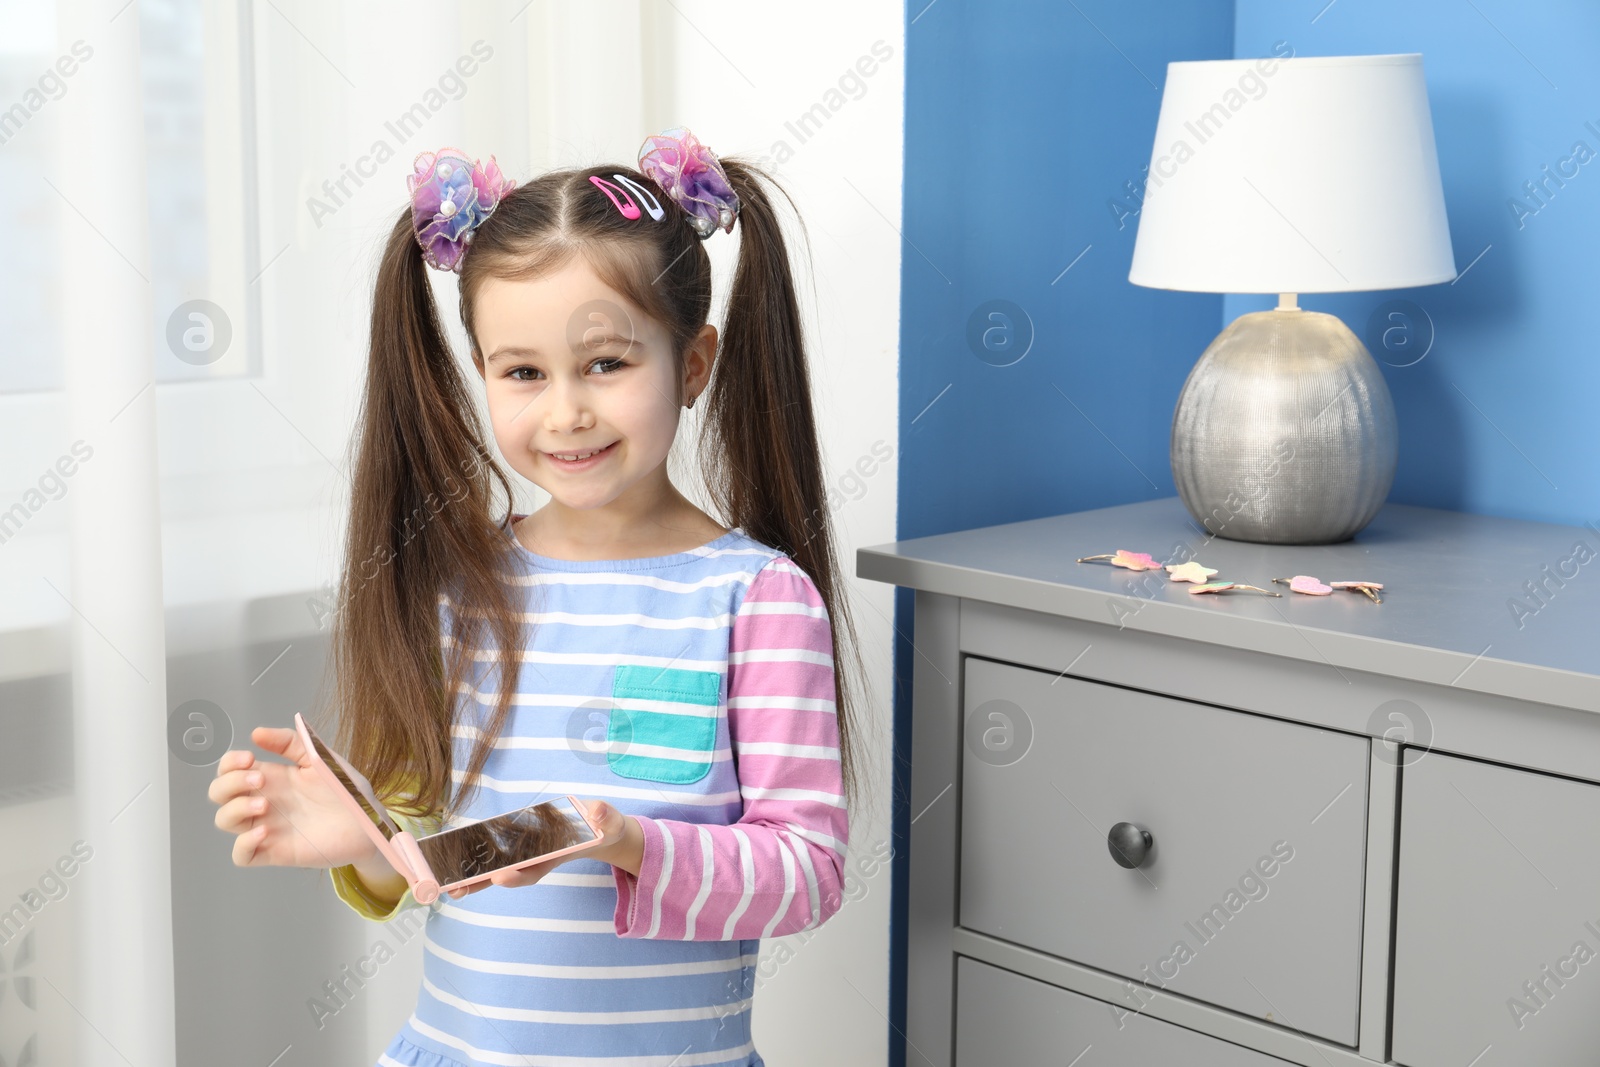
column 675, row 673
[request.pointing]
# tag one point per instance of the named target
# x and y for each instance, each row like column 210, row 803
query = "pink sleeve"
column 780, row 868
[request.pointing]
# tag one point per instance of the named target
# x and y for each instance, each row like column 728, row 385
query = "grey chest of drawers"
column 1151, row 827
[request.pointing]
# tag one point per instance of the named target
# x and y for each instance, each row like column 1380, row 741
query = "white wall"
column 742, row 78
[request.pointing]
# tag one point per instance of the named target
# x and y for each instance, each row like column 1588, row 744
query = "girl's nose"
column 565, row 408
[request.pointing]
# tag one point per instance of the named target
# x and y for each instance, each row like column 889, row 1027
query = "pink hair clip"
column 1189, row 572
column 688, row 172
column 1134, row 561
column 1304, row 583
column 630, row 210
column 451, row 196
column 1222, row 587
column 1364, row 588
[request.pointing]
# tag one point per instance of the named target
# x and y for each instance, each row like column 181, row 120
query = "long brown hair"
column 424, row 516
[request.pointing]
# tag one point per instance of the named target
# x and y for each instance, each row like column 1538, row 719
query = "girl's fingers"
column 235, row 816
column 525, row 876
column 225, row 787
column 281, row 740
column 246, row 845
column 506, row 879
column 231, row 760
column 611, row 822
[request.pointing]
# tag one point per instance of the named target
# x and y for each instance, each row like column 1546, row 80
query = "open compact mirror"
column 464, row 854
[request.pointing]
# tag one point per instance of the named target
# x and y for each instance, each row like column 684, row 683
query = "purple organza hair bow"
column 451, row 196
column 689, row 173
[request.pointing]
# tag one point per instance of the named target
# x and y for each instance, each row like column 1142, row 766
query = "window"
column 199, row 131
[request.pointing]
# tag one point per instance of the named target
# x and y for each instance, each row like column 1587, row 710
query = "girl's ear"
column 699, row 360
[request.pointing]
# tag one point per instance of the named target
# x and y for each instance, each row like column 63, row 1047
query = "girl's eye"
column 609, row 366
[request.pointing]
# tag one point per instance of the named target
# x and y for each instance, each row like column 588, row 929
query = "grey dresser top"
column 1450, row 580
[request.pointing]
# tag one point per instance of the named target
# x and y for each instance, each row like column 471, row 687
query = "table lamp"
column 1288, row 176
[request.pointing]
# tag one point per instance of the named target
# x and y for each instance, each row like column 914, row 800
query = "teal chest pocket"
column 663, row 724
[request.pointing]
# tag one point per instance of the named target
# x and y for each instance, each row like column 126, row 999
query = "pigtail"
column 419, row 526
column 760, row 457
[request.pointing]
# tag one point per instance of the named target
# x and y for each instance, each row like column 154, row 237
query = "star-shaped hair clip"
column 1222, row 587
column 1189, row 572
column 1304, row 583
column 1134, row 561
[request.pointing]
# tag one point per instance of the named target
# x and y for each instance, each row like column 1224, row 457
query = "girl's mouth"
column 588, row 461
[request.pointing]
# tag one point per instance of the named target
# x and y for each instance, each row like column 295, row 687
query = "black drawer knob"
column 1129, row 845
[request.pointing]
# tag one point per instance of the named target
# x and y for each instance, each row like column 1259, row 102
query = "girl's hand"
column 285, row 814
column 612, row 824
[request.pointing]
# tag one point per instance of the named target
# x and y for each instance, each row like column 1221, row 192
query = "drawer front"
column 1008, row 1020
column 1497, row 924
column 1250, row 897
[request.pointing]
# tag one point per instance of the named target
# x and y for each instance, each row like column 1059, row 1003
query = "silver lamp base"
column 1285, row 431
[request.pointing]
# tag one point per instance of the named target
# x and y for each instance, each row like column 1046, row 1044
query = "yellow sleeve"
column 348, row 887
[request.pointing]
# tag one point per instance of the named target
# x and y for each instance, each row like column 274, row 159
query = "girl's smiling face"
column 572, row 366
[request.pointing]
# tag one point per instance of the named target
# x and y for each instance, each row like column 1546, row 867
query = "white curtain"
column 122, row 894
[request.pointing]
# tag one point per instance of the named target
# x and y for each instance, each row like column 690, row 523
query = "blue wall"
column 1025, row 124
column 1499, row 418
column 1026, row 391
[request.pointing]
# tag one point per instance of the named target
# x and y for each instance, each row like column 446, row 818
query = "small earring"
column 690, row 404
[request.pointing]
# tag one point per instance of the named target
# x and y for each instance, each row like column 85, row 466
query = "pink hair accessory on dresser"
column 1134, row 561
column 1364, row 588
column 1223, row 587
column 1191, row 571
column 1304, row 583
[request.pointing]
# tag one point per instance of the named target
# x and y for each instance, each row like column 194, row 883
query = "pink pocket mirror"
column 462, row 855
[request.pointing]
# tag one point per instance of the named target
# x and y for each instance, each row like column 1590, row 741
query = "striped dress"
column 693, row 691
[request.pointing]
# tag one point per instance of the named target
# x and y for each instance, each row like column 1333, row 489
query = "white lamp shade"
column 1301, row 175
